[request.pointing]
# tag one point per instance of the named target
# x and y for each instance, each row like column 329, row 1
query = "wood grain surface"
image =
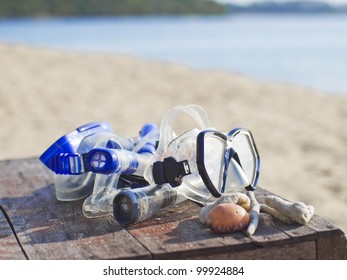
column 35, row 225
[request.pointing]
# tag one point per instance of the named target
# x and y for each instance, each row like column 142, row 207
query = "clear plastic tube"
column 132, row 163
column 108, row 161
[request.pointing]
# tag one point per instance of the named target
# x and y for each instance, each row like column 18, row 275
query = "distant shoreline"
column 81, row 8
column 290, row 7
column 36, row 8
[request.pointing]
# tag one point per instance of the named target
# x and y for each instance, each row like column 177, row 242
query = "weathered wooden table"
column 34, row 225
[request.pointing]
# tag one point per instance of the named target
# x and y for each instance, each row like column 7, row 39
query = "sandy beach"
column 300, row 133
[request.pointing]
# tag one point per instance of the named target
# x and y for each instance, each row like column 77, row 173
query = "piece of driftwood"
column 34, row 225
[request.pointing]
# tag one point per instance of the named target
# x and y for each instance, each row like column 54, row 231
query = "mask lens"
column 210, row 159
column 243, row 143
column 227, row 163
column 214, row 157
column 236, row 179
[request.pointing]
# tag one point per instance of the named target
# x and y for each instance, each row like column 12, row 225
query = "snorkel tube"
column 134, row 178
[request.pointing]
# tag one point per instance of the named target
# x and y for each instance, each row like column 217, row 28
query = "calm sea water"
column 308, row 50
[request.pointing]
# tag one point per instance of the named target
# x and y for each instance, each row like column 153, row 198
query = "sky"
column 335, row 2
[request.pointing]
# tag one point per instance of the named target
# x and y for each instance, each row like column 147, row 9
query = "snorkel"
column 134, row 178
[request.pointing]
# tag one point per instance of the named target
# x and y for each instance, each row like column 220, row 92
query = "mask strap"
column 167, row 134
column 166, row 127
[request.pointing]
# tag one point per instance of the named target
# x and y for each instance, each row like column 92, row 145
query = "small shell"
column 227, row 217
column 237, row 198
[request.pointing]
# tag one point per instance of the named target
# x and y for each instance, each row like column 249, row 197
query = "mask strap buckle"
column 170, row 171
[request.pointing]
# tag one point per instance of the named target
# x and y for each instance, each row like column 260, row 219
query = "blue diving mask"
column 204, row 163
column 210, row 160
column 201, row 165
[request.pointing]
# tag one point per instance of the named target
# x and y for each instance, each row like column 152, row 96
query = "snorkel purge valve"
column 132, row 179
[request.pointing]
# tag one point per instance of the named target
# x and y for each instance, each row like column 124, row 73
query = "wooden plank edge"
column 201, row 253
column 332, row 248
column 323, row 228
column 300, row 251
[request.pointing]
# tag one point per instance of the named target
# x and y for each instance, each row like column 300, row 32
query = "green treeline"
column 37, row 8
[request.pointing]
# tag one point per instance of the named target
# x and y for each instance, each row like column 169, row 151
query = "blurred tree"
column 37, row 8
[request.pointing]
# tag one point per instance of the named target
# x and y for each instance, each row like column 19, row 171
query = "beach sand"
column 301, row 134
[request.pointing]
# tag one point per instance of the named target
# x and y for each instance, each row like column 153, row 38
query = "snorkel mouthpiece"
column 67, row 164
column 69, row 144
